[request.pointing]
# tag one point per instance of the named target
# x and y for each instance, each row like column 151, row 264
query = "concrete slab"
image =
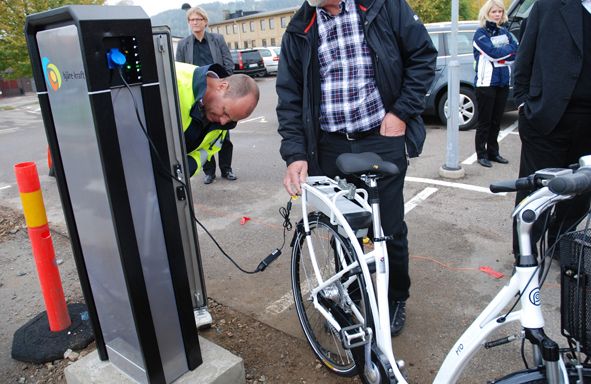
column 219, row 367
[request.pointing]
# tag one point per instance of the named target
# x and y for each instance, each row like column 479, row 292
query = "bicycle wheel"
column 332, row 251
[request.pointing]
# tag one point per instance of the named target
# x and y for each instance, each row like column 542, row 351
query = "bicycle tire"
column 325, row 341
column 538, row 376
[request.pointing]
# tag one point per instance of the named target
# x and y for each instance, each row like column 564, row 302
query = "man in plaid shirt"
column 352, row 77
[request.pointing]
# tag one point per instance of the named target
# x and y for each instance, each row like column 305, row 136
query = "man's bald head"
column 230, row 99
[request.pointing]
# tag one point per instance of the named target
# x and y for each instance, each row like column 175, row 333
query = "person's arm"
column 484, row 44
column 180, row 48
column 419, row 57
column 514, row 43
column 289, row 87
column 525, row 56
column 227, row 61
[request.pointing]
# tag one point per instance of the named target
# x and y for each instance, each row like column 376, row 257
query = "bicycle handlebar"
column 576, row 183
column 528, row 183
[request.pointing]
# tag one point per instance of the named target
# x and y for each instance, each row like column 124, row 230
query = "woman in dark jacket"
column 494, row 51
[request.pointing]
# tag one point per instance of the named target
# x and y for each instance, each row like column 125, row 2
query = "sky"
column 153, row 7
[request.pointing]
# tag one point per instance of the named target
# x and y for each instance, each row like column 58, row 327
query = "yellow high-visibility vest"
column 212, row 142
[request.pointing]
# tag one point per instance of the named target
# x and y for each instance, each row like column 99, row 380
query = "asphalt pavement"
column 455, row 228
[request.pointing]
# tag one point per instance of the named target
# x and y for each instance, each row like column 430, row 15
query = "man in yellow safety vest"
column 211, row 103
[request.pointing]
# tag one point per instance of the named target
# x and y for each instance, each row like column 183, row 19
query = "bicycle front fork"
column 546, row 351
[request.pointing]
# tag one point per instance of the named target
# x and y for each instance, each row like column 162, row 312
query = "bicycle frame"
column 524, row 282
column 324, row 199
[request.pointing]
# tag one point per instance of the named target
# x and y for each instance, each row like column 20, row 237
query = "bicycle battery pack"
column 358, row 217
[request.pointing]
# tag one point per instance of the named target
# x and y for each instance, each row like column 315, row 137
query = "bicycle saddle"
column 365, row 163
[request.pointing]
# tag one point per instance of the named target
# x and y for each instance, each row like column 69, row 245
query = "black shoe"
column 230, row 176
column 397, row 316
column 499, row 159
column 485, row 163
column 208, row 179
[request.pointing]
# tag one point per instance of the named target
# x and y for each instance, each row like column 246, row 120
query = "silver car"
column 436, row 99
column 271, row 58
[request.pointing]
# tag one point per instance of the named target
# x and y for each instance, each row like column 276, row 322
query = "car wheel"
column 468, row 117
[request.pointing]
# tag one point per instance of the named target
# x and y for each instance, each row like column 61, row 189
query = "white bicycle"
column 551, row 364
column 340, row 291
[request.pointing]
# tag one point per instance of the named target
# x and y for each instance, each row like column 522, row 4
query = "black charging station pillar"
column 116, row 186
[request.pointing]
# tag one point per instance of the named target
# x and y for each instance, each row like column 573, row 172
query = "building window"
column 244, row 27
column 253, row 43
column 264, row 42
column 235, row 28
column 218, row 29
column 227, row 29
column 245, row 44
column 262, row 24
column 283, row 21
column 229, row 45
column 236, row 45
column 252, row 26
column 273, row 42
column 271, row 23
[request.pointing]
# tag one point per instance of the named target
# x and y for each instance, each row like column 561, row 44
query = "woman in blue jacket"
column 494, row 51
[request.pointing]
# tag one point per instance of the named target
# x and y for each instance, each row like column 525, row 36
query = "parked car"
column 436, row 102
column 517, row 14
column 248, row 61
column 271, row 58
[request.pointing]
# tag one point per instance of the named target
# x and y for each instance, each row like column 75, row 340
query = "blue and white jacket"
column 494, row 52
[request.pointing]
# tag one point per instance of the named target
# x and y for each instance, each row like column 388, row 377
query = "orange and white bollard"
column 29, row 188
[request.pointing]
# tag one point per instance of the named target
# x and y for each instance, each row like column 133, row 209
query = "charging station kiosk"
column 117, row 148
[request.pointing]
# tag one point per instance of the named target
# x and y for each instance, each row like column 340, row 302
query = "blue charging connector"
column 115, row 58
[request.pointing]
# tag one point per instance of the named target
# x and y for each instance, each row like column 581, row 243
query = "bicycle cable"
column 284, row 212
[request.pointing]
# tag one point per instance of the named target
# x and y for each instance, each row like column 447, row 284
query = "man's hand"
column 392, row 126
column 297, row 173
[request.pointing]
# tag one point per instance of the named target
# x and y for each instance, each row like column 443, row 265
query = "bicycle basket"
column 575, row 281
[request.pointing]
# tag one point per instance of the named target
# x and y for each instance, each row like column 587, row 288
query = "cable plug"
column 268, row 260
column 115, row 58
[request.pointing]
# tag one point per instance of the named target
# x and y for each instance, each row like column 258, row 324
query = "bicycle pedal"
column 354, row 336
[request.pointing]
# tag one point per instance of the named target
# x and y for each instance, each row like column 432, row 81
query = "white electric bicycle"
column 340, row 291
column 551, row 364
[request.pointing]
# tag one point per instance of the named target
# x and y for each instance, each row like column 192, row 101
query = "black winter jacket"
column 404, row 60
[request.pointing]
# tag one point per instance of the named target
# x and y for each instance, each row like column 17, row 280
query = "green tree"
column 431, row 11
column 14, row 56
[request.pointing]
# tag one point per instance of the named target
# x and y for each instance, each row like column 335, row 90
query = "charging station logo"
column 52, row 74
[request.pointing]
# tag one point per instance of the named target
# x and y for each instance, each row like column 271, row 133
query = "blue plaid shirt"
column 350, row 100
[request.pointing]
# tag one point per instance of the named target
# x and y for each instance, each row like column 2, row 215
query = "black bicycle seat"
column 367, row 163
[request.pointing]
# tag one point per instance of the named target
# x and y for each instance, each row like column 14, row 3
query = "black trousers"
column 570, row 140
column 225, row 158
column 390, row 191
column 491, row 106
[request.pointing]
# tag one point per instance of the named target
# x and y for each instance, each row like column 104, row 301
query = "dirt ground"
column 270, row 356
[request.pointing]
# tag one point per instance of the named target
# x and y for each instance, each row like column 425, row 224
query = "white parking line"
column 472, row 159
column 467, row 187
column 419, row 198
column 4, row 187
column 280, row 305
column 260, row 118
column 8, row 130
column 36, row 111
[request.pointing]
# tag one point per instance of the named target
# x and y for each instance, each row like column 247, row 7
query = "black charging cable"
column 283, row 211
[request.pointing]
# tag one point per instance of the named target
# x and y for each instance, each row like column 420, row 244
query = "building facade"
column 263, row 29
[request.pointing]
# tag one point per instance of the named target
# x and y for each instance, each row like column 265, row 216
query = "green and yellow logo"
column 52, row 74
